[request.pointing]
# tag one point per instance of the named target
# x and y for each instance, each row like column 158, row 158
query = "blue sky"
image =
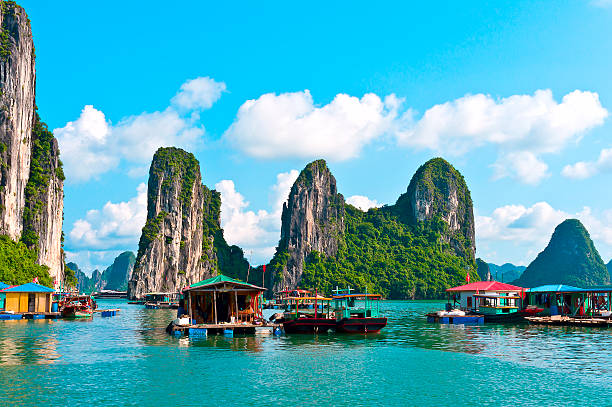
column 513, row 94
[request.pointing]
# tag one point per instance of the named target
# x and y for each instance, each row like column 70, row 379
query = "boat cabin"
column 566, row 300
column 346, row 306
column 222, row 299
column 487, row 297
column 27, row 298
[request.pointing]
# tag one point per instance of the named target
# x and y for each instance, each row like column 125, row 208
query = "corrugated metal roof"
column 486, row 286
column 29, row 288
column 555, row 288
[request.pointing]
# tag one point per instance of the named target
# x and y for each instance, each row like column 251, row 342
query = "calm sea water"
column 129, row 360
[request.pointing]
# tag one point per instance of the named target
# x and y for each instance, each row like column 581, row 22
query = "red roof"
column 486, row 286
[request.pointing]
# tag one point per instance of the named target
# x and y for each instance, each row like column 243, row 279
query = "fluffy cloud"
column 525, row 231
column 116, row 225
column 535, row 123
column 92, row 145
column 255, row 232
column 522, row 165
column 291, row 125
column 362, row 202
column 586, row 169
column 199, row 93
column 522, row 127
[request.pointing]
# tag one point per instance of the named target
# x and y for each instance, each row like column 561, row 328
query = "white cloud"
column 115, row 225
column 522, row 126
column 586, row 169
column 255, row 232
column 291, row 125
column 535, row 123
column 92, row 145
column 521, row 165
column 362, row 202
column 525, row 231
column 199, row 93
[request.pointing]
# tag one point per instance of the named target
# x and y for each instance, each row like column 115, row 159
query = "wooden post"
column 215, row 305
column 236, row 304
column 189, row 306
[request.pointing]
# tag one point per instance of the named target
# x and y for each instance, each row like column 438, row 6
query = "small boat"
column 307, row 320
column 77, row 306
column 350, row 318
column 161, row 300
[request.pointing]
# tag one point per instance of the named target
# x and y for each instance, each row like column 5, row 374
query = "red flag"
column 264, row 267
column 467, row 277
column 35, row 280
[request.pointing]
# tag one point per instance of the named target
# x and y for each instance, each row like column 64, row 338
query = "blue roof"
column 3, row 285
column 29, row 288
column 555, row 288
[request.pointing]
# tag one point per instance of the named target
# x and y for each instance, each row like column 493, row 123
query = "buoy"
column 277, row 331
column 228, row 332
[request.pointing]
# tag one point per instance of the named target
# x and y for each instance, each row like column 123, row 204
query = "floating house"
column 561, row 299
column 483, row 294
column 224, row 300
column 27, row 298
column 161, row 300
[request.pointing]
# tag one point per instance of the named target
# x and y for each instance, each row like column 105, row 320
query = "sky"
column 516, row 95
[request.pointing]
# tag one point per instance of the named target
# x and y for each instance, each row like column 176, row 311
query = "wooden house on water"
column 566, row 300
column 30, row 300
column 222, row 302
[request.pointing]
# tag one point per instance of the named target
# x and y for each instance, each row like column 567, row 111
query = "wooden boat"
column 302, row 320
column 77, row 306
column 352, row 319
column 500, row 308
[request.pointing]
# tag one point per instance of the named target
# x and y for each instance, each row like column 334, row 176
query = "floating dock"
column 455, row 319
column 229, row 329
column 558, row 320
column 30, row 315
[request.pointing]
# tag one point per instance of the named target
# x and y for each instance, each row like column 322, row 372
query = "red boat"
column 352, row 319
column 307, row 320
column 77, row 306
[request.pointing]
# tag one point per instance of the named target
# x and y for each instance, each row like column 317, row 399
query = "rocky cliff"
column 117, row 275
column 437, row 192
column 312, row 220
column 31, row 176
column 176, row 247
column 570, row 258
column 482, row 268
column 414, row 249
column 17, row 82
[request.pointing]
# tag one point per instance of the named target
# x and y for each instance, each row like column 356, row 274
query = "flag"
column 264, row 268
column 467, row 276
column 35, row 281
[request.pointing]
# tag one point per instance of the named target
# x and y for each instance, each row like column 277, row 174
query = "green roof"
column 222, row 279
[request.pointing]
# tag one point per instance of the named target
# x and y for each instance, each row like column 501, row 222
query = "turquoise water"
column 129, row 360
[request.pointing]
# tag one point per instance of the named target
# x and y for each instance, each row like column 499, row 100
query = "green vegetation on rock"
column 18, row 264
column 382, row 253
column 570, row 258
column 150, row 231
column 42, row 169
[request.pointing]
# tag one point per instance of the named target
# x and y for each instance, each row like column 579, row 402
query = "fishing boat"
column 300, row 319
column 77, row 306
column 351, row 318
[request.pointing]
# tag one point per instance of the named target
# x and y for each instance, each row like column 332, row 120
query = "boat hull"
column 361, row 325
column 308, row 325
column 77, row 314
column 518, row 316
